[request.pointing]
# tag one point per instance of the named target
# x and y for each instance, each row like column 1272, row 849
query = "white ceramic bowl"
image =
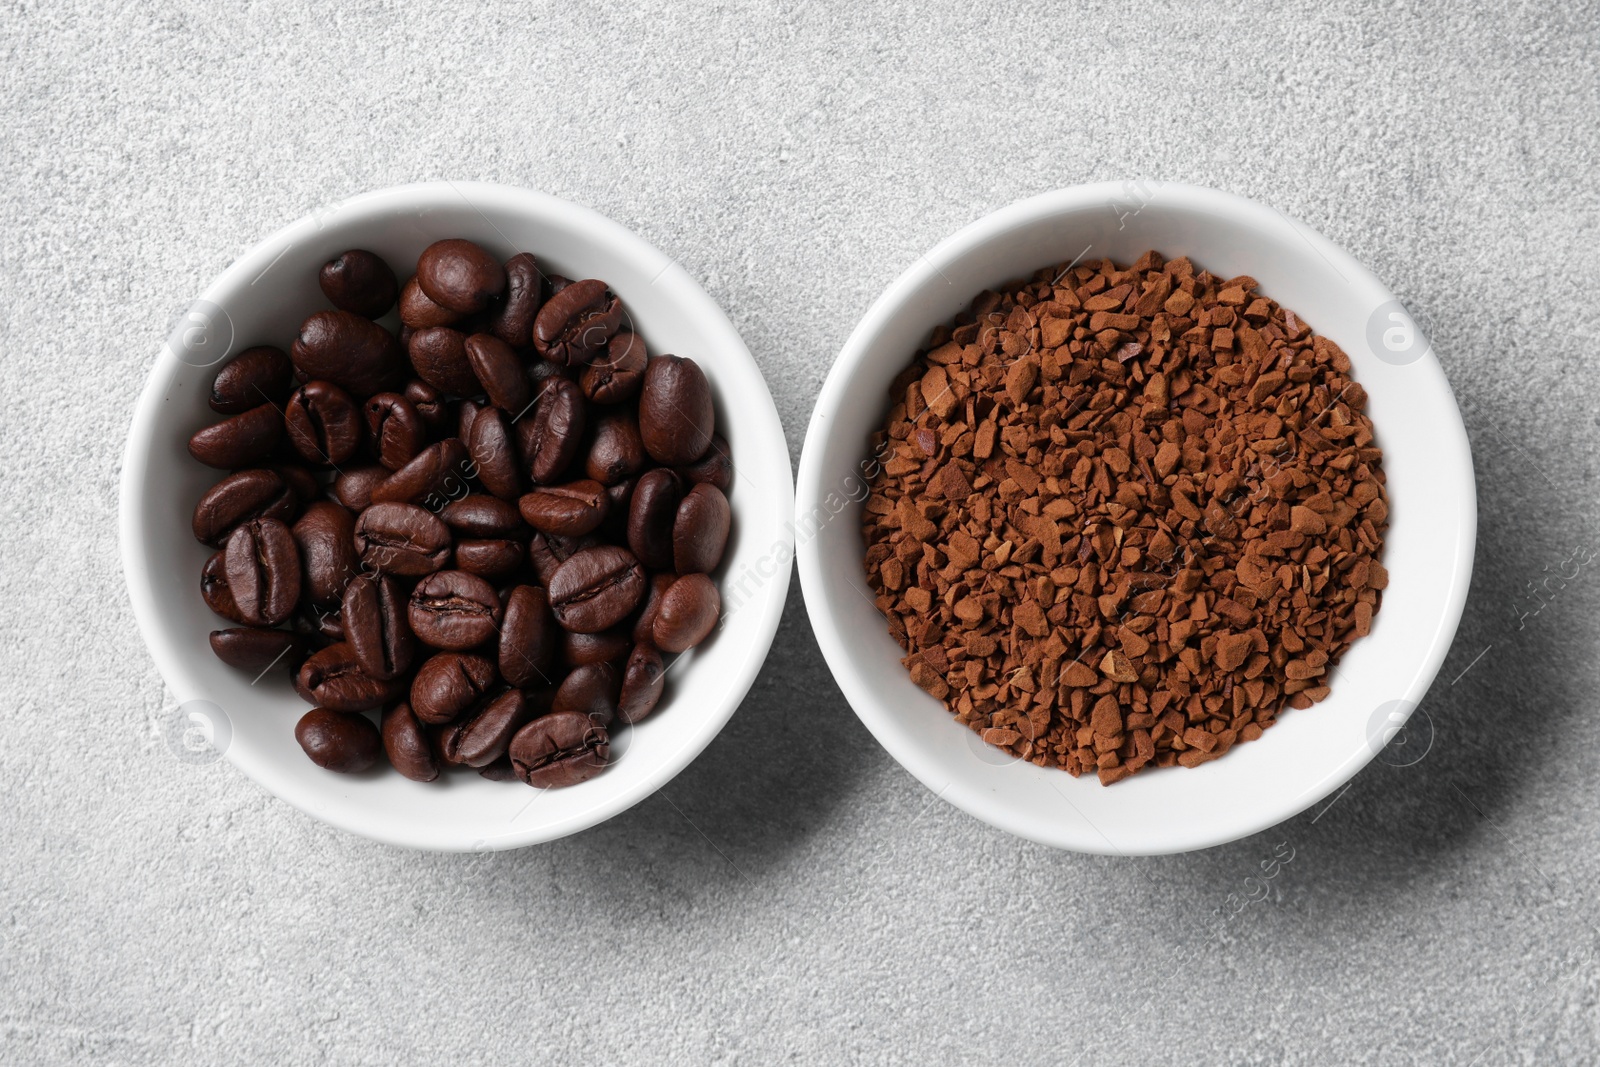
column 1428, row 550
column 261, row 299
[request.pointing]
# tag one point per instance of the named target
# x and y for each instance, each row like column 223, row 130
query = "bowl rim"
column 857, row 352
column 363, row 209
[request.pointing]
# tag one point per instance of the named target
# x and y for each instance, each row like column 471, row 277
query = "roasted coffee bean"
column 353, row 353
column 239, row 441
column 325, row 536
column 302, row 482
column 569, row 510
column 438, row 473
column 616, row 452
column 406, row 744
column 714, row 468
column 513, row 323
column 499, row 370
column 643, row 680
column 376, row 626
column 334, row 679
column 651, row 517
column 320, row 626
column 251, row 648
column 467, row 412
column 396, row 430
column 618, row 374
column 439, row 354
column 214, row 588
column 494, row 452
column 481, row 515
column 687, row 613
column 339, row 740
column 560, row 750
column 551, row 440
column 460, row 275
column 590, row 690
column 619, row 497
column 256, row 376
column 454, row 610
column 420, row 313
column 359, row 282
column 578, row 650
column 548, row 552
column 482, row 736
column 644, row 623
column 401, row 539
column 557, row 283
column 263, row 569
column 324, row 423
column 576, row 322
column 596, row 589
column 488, row 558
column 676, row 418
column 499, row 771
column 353, row 487
column 700, row 531
column 240, row 497
column 528, row 638
column 429, row 402
column 448, row 684
column 541, row 373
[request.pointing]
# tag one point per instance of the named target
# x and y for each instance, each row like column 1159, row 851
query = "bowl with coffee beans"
column 439, row 504
column 1155, row 519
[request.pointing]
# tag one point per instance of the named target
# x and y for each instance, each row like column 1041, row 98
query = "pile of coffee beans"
column 1122, row 516
column 494, row 524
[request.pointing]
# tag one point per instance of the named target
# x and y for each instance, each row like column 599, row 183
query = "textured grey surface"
column 794, row 894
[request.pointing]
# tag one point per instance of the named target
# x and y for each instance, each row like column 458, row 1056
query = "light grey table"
column 794, row 894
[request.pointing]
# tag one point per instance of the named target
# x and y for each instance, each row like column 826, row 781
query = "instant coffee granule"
column 1126, row 515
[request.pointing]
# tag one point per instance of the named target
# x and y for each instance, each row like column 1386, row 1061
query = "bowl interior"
column 1428, row 551
column 261, row 299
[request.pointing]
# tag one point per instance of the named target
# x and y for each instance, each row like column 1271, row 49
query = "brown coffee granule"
column 1125, row 515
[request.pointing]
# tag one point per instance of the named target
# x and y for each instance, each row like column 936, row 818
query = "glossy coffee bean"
column 301, row 481
column 240, row 497
column 448, row 684
column 359, row 282
column 560, row 749
column 439, row 355
column 454, row 610
column 460, row 275
column 375, row 624
column 528, row 636
column 395, row 429
column 644, row 623
column 334, row 679
column 325, row 536
column 484, row 516
column 243, row 440
column 214, row 588
column 321, row 627
column 254, row 649
column 643, row 680
column 700, row 530
column 616, row 451
column 338, row 740
column 687, row 613
column 256, row 376
column 325, row 426
column 354, row 485
column 498, row 369
column 513, row 323
column 406, row 744
column 420, row 313
column 576, row 323
column 437, row 474
column 547, row 552
column 570, row 510
column 619, row 497
column 651, row 517
column 499, row 771
column 714, row 468
column 488, row 558
column 675, row 411
column 578, row 650
column 618, row 373
column 493, row 449
column 401, row 539
column 483, row 735
column 590, row 690
column 552, row 439
column 263, row 569
column 353, row 353
column 596, row 589
column 429, row 403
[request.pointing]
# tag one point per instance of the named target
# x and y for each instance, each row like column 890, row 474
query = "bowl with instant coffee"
column 435, row 507
column 1136, row 518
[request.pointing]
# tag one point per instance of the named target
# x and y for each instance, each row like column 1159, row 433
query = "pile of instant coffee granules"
column 1124, row 516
